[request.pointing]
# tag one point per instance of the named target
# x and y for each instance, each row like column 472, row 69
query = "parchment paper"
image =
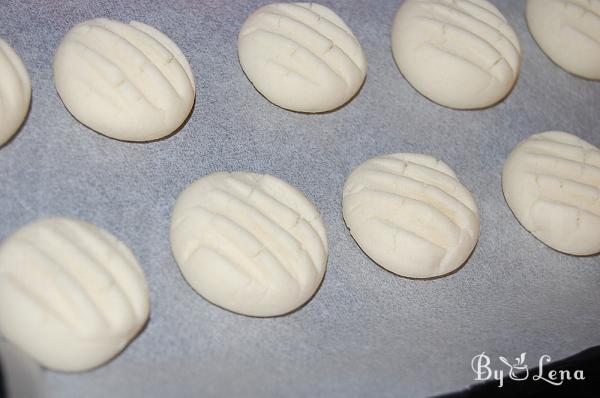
column 367, row 332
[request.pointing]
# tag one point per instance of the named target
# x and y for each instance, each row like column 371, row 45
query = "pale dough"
column 126, row 81
column 462, row 54
column 551, row 182
column 72, row 295
column 301, row 56
column 568, row 32
column 15, row 92
column 411, row 215
column 249, row 243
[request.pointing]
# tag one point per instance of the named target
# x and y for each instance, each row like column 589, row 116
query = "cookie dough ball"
column 72, row 295
column 249, row 243
column 551, row 182
column 126, row 81
column 301, row 56
column 568, row 32
column 461, row 54
column 411, row 215
column 15, row 92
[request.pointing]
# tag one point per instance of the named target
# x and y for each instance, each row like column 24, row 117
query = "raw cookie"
column 15, row 92
column 301, row 56
column 568, row 32
column 72, row 295
column 411, row 214
column 126, row 81
column 551, row 182
column 462, row 54
column 249, row 243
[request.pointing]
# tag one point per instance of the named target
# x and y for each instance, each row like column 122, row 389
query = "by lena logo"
column 518, row 370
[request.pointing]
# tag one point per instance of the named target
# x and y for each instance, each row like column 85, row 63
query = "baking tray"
column 367, row 331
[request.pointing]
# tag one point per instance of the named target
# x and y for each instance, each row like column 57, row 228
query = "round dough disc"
column 551, row 182
column 301, row 56
column 462, row 54
column 72, row 295
column 249, row 243
column 15, row 92
column 126, row 81
column 568, row 32
column 411, row 215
